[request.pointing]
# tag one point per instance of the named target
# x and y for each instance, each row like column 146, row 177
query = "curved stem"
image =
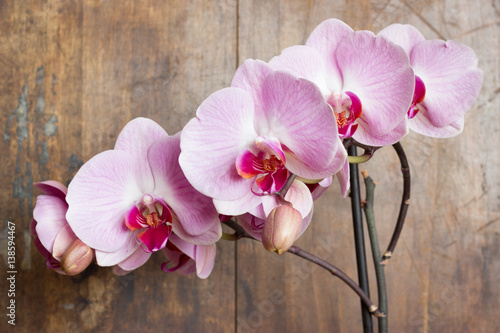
column 379, row 268
column 405, row 202
column 241, row 233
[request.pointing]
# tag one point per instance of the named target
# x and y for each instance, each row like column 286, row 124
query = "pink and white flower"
column 447, row 81
column 243, row 144
column 129, row 202
column 53, row 236
column 367, row 80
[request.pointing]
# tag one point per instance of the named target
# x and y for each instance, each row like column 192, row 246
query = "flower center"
column 418, row 97
column 347, row 108
column 265, row 162
column 155, row 218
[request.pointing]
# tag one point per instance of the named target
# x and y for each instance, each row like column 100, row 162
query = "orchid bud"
column 281, row 229
column 77, row 258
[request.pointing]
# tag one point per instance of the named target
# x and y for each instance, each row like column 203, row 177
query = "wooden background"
column 73, row 73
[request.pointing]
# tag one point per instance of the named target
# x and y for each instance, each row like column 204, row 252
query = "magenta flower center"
column 265, row 162
column 347, row 109
column 155, row 218
column 418, row 97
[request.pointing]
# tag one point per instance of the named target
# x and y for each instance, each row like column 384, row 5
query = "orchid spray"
column 258, row 153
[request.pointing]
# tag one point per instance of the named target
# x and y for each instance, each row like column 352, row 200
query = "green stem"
column 379, row 268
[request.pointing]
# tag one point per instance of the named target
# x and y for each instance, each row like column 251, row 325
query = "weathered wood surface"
column 72, row 73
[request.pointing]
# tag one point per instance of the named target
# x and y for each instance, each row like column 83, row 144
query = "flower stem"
column 379, row 268
column 371, row 308
column 359, row 239
column 405, row 202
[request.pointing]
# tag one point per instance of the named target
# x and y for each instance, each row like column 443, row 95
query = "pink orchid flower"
column 243, row 144
column 366, row 80
column 53, row 236
column 447, row 81
column 129, row 202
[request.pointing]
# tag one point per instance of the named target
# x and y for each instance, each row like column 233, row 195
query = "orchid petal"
column 155, row 239
column 135, row 260
column 185, row 247
column 379, row 73
column 271, row 146
column 297, row 114
column 404, row 35
column 248, row 165
column 101, row 193
column 50, row 215
column 305, row 62
column 211, row 142
column 422, row 125
column 364, row 136
column 321, row 188
column 298, row 195
column 325, row 38
column 205, row 259
column 250, row 223
column 208, row 237
column 451, row 77
column 53, row 188
column 195, row 212
column 131, row 245
column 343, row 177
column 239, row 206
column 134, row 219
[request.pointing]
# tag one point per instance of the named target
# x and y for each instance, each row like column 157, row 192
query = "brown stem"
column 241, row 233
column 405, row 202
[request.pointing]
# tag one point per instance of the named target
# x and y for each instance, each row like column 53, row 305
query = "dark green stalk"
column 379, row 268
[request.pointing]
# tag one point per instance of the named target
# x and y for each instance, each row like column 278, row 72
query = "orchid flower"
column 366, row 80
column 130, row 201
column 53, row 236
column 242, row 146
column 447, row 81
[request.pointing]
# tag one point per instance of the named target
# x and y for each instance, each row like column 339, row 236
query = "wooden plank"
column 73, row 74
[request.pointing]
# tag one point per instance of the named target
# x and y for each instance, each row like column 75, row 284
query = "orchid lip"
column 347, row 109
column 418, row 97
column 154, row 218
column 265, row 163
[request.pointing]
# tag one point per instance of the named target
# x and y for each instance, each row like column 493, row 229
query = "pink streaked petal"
column 63, row 241
column 250, row 76
column 272, row 146
column 305, row 62
column 404, row 35
column 303, row 170
column 451, row 77
column 264, row 184
column 422, row 125
column 280, row 177
column 211, row 142
column 53, row 188
column 325, row 39
column 252, row 225
column 185, row 247
column 305, row 222
column 248, row 165
column 50, row 215
column 135, row 260
column 136, row 138
column 298, row 195
column 134, row 219
column 208, row 237
column 205, row 259
column 155, row 239
column 106, row 259
column 258, row 212
column 379, row 73
column 194, row 210
column 298, row 115
column 364, row 136
column 240, row 206
column 321, row 188
column 99, row 197
column 343, row 177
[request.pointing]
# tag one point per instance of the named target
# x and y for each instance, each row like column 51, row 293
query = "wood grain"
column 73, row 73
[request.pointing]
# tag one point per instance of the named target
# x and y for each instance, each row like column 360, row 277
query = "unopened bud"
column 77, row 258
column 281, row 229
